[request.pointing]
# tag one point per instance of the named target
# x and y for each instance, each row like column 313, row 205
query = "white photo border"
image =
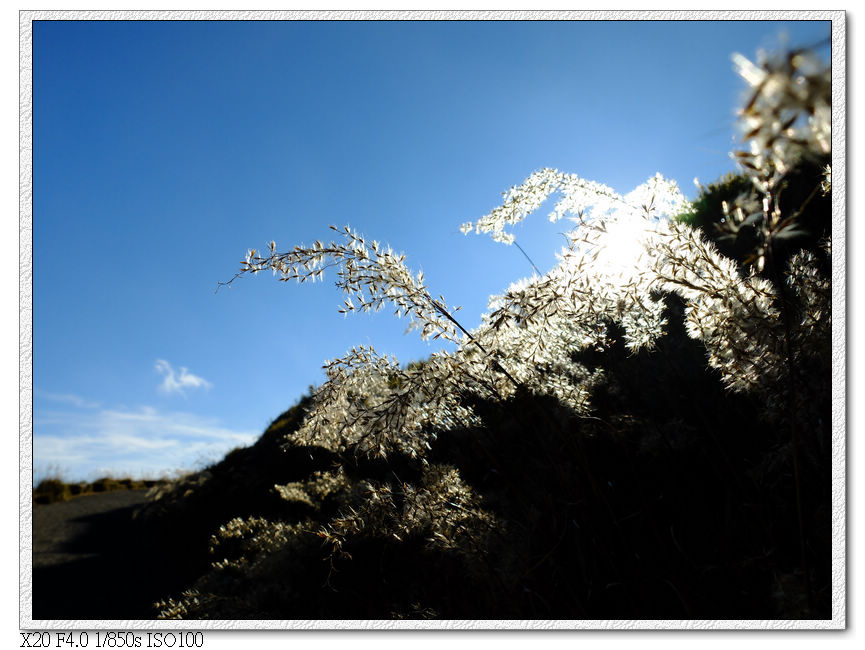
column 839, row 325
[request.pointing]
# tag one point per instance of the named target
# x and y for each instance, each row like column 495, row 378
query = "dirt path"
column 91, row 561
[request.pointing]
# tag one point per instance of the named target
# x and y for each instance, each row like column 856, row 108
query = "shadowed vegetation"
column 53, row 490
column 674, row 500
column 637, row 437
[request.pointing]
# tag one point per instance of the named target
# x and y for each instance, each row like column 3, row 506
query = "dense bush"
column 642, row 432
column 51, row 490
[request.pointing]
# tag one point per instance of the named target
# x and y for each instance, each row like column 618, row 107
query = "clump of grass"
column 107, row 485
column 51, row 490
column 77, row 489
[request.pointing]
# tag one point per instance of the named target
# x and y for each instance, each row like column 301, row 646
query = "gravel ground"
column 63, row 532
column 92, row 561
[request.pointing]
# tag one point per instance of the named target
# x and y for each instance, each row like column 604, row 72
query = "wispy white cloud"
column 137, row 442
column 176, row 382
column 68, row 398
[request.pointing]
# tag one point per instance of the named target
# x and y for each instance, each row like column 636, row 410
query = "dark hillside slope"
column 675, row 500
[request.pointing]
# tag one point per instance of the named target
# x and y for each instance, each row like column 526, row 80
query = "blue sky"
column 164, row 150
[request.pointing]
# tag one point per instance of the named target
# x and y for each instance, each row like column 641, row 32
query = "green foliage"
column 706, row 211
column 801, row 193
